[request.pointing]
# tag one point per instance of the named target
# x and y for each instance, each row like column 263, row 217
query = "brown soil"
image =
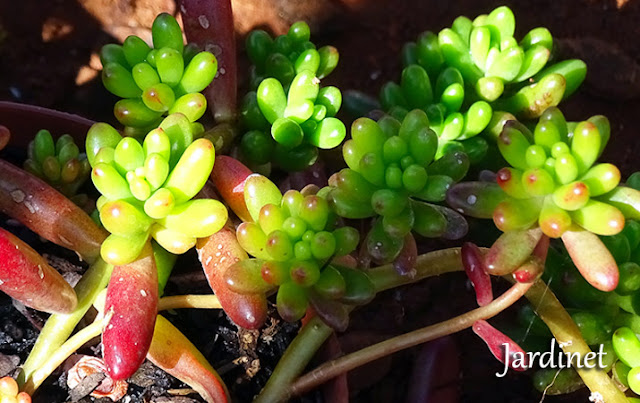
column 48, row 57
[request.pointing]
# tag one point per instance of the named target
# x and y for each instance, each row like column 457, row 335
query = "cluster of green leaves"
column 553, row 180
column 147, row 188
column 392, row 175
column 295, row 239
column 157, row 81
column 290, row 115
column 464, row 73
column 59, row 163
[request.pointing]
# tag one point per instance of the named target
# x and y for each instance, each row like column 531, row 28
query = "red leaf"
column 473, row 263
column 498, row 343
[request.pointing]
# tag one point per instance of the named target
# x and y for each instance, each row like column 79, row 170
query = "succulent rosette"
column 392, row 176
column 554, row 188
column 154, row 82
column 147, row 188
column 290, row 115
column 296, row 247
column 59, row 163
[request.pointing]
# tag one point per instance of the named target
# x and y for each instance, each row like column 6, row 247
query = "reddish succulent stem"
column 27, row 277
column 472, row 260
column 132, row 297
column 47, row 212
column 533, row 267
column 174, row 353
column 209, row 24
column 498, row 343
column 218, row 253
column 229, row 176
column 26, row 120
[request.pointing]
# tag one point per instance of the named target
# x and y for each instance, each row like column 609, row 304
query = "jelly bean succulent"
column 392, row 176
column 165, row 79
column 160, row 194
column 296, row 245
column 59, row 163
column 147, row 188
column 290, row 115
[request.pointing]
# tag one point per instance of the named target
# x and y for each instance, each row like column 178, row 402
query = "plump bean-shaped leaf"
column 367, row 137
column 455, row 165
column 627, row 346
column 218, row 253
column 304, row 87
column 585, row 145
column 144, row 75
column 177, row 127
column 119, row 81
column 456, row 54
column 416, row 86
column 120, row 250
column 592, row 258
column 329, row 57
column 271, row 99
column 128, row 155
column 513, row 146
column 291, row 302
column 158, row 97
column 159, row 204
column 429, row 221
column 553, row 220
column 476, row 119
column 280, row 67
column 100, row 135
column 135, row 50
column 43, row 146
column 346, row 205
column 428, row 52
column 601, row 179
column 132, row 296
column 157, row 142
column 174, row 242
column 175, row 354
column 510, row 180
column 516, row 214
column 331, row 98
column 27, row 277
column 475, row 199
column 192, row 170
column 503, row 19
column 167, row 33
column 532, row 100
column 537, row 36
column 574, row 71
column 109, row 182
column 308, row 60
column 196, row 218
column 193, row 106
column 258, row 45
column 112, row 53
column 473, row 263
column 287, row 132
column 199, row 73
column 328, row 134
column 534, row 60
column 122, row 218
column 511, row 250
column 359, row 288
column 599, row 218
column 507, row 64
column 259, row 191
column 391, row 95
column 133, row 112
column 626, row 199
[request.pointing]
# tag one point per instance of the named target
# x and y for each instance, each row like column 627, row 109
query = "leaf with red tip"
column 533, row 267
column 132, row 296
column 499, row 344
column 511, row 250
column 27, row 277
column 173, row 352
column 473, row 263
column 209, row 24
column 229, row 176
column 218, row 253
column 592, row 258
column 47, row 212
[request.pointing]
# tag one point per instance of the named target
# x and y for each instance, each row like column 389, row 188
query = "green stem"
column 348, row 362
column 565, row 331
column 63, row 352
column 60, row 326
column 315, row 332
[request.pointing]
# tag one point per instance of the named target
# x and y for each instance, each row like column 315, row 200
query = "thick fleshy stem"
column 63, row 352
column 348, row 362
column 209, row 24
column 565, row 331
column 315, row 332
column 60, row 326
